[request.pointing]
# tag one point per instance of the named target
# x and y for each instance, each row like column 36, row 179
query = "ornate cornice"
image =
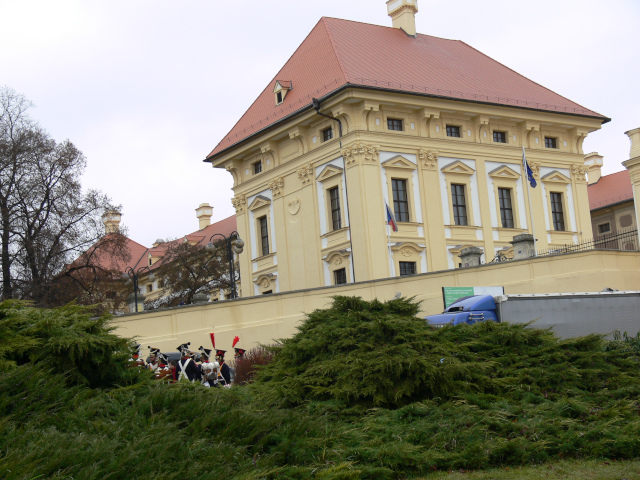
column 358, row 153
column 428, row 159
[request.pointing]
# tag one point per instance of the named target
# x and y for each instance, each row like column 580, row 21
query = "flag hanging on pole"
column 527, row 170
column 391, row 219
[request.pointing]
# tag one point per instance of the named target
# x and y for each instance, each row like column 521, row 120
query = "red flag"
column 236, row 339
column 213, row 340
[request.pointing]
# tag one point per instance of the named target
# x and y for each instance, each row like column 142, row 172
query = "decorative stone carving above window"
column 555, row 177
column 428, row 159
column 458, row 167
column 357, row 153
column 277, row 186
column 535, row 168
column 259, row 202
column 328, row 172
column 399, row 162
column 504, row 172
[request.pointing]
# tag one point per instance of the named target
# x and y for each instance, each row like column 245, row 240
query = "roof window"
column 281, row 89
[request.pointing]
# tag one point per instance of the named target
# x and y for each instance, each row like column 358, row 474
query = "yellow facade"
column 291, row 193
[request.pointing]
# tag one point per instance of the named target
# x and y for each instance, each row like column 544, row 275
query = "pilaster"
column 432, row 211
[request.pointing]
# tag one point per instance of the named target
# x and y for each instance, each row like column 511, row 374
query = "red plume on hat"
column 236, row 339
column 213, row 339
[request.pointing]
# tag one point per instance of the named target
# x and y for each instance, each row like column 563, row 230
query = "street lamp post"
column 234, row 244
column 132, row 275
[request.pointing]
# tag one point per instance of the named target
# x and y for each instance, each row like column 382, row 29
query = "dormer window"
column 280, row 90
column 257, row 167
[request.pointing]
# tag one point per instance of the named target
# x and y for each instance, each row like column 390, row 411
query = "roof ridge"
column 333, row 47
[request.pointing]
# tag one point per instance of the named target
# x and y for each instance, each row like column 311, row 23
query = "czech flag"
column 391, row 219
column 527, row 171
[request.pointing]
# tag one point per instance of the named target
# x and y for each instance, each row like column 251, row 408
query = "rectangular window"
column 327, row 134
column 550, row 142
column 453, row 131
column 500, row 137
column 556, row 211
column 150, row 288
column 257, row 167
column 340, row 276
column 336, row 217
column 400, row 200
column 264, row 235
column 459, row 204
column 279, row 98
column 506, row 209
column 407, row 268
column 394, row 124
column 268, row 292
column 604, row 228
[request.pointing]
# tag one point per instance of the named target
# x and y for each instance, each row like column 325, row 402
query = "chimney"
column 111, row 220
column 403, row 14
column 634, row 136
column 593, row 162
column 204, row 213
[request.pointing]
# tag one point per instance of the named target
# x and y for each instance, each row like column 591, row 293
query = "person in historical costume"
column 208, row 369
column 224, row 377
column 186, row 369
column 163, row 372
column 136, row 360
column 154, row 361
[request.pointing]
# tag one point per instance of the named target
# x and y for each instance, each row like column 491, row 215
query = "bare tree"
column 188, row 269
column 46, row 218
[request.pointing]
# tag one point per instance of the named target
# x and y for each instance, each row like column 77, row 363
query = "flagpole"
column 525, row 164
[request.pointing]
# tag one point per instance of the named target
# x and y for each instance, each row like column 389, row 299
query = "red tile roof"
column 102, row 253
column 610, row 189
column 224, row 227
column 139, row 254
column 340, row 53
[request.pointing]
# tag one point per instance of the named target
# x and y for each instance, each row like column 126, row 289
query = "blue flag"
column 527, row 171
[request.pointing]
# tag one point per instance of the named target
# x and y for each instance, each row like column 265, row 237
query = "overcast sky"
column 147, row 88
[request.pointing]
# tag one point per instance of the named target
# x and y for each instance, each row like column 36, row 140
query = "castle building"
column 362, row 117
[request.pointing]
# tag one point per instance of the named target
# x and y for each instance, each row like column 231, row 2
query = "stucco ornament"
column 580, row 172
column 305, row 174
column 357, row 153
column 239, row 201
column 337, row 261
column 293, row 205
column 535, row 168
column 406, row 252
column 428, row 158
column 265, row 283
column 277, row 186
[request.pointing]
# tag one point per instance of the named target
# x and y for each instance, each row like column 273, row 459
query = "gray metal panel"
column 578, row 314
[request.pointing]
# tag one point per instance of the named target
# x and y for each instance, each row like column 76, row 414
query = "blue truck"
column 567, row 314
column 469, row 310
